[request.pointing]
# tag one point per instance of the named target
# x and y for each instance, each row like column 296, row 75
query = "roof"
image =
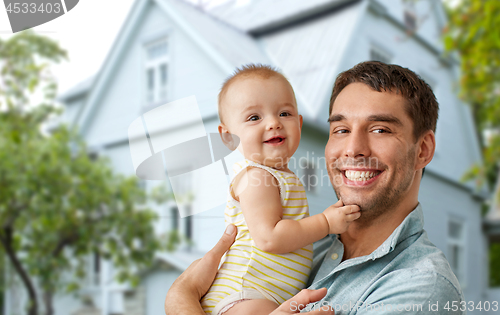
column 257, row 15
column 235, row 46
column 227, row 46
column 311, row 56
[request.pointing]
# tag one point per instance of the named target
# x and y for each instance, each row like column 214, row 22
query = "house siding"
column 442, row 201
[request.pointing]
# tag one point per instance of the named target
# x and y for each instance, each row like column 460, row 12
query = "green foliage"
column 474, row 32
column 57, row 199
column 57, row 206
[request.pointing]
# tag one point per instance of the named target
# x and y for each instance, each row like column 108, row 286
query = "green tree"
column 474, row 32
column 57, row 206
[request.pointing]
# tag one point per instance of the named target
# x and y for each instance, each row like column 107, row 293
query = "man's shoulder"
column 424, row 258
column 416, row 290
column 420, row 273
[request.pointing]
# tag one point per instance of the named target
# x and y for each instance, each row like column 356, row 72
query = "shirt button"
column 335, row 256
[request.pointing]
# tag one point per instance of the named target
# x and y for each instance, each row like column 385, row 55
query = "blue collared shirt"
column 407, row 274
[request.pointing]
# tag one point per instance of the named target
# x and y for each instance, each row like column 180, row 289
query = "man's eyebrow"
column 337, row 117
column 385, row 118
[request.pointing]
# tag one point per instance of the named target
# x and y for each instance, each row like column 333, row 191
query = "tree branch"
column 7, row 241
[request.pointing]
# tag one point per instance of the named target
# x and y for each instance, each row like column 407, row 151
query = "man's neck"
column 362, row 239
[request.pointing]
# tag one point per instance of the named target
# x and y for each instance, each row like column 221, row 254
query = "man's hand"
column 183, row 297
column 299, row 302
column 339, row 216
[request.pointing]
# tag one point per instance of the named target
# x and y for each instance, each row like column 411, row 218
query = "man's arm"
column 184, row 295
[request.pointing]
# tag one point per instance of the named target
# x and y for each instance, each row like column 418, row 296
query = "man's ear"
column 300, row 118
column 227, row 137
column 426, row 148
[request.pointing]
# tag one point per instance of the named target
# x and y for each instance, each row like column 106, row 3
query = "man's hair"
column 421, row 104
column 247, row 71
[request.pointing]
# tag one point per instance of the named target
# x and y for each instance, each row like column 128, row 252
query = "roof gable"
column 111, row 61
column 226, row 46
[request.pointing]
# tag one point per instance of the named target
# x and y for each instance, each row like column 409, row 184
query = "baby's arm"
column 258, row 193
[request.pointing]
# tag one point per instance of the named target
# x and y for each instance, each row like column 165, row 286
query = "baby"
column 271, row 258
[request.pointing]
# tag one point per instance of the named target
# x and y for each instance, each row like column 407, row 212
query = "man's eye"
column 380, row 131
column 284, row 114
column 341, row 131
column 253, row 118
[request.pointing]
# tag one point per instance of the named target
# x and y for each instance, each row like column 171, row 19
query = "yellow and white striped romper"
column 250, row 273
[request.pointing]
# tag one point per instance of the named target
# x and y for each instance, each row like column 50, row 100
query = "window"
column 174, row 214
column 156, row 71
column 182, row 186
column 456, row 246
column 142, row 184
column 93, row 156
column 377, row 54
column 96, row 270
column 188, row 221
column 410, row 16
column 309, row 177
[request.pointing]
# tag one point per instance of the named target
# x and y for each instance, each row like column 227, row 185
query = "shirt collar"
column 412, row 224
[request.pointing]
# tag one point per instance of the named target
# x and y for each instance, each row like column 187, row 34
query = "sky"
column 87, row 32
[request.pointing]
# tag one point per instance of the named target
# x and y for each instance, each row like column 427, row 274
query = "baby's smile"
column 275, row 140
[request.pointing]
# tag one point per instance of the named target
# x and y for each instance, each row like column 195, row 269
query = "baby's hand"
column 339, row 217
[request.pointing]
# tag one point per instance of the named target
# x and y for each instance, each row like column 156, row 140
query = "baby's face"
column 263, row 114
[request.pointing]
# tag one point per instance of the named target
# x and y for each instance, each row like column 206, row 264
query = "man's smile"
column 360, row 176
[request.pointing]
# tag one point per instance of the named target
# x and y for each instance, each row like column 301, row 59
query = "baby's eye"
column 284, row 114
column 253, row 118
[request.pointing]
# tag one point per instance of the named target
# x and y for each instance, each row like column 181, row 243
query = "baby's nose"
column 274, row 123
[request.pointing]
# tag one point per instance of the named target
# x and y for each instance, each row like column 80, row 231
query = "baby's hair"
column 246, row 71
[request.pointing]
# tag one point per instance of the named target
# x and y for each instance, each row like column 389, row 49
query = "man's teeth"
column 360, row 176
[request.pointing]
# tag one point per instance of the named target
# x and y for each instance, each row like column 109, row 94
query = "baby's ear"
column 227, row 138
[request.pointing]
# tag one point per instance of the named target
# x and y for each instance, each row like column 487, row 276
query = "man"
column 382, row 123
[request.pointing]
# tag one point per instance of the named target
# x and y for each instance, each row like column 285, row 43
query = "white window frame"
column 160, row 94
column 460, row 243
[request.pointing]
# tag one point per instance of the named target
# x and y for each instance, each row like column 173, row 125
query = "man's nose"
column 273, row 123
column 357, row 145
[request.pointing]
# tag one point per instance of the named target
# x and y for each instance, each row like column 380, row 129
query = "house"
column 170, row 49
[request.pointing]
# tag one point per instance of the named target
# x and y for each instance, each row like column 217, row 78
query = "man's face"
column 371, row 151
